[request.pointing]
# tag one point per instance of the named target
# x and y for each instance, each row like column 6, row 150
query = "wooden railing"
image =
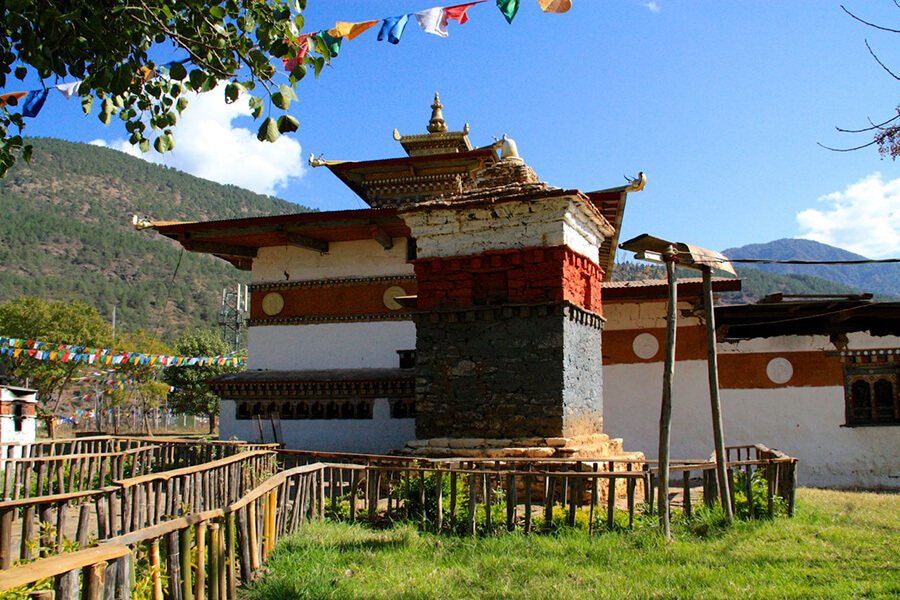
column 226, row 538
column 63, row 473
column 126, row 504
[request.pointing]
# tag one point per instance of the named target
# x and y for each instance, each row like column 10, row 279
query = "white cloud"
column 208, row 145
column 653, row 6
column 864, row 218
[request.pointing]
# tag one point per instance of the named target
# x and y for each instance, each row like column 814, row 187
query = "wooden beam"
column 221, row 249
column 308, row 243
column 382, row 237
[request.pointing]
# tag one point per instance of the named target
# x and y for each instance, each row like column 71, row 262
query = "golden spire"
column 437, row 124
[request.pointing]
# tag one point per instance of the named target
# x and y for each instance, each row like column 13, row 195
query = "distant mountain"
column 876, row 278
column 755, row 284
column 65, row 232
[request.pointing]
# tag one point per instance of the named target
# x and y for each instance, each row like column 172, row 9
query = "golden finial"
column 437, row 124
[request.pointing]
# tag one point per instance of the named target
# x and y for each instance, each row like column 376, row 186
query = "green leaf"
column 197, row 79
column 86, row 103
column 27, row 152
column 177, row 71
column 181, row 104
column 107, row 106
column 256, row 106
column 287, row 91
column 319, row 64
column 233, row 91
column 164, row 143
column 287, row 124
column 217, row 12
column 268, row 131
column 280, row 101
column 298, row 73
column 105, row 117
column 21, row 72
column 144, row 145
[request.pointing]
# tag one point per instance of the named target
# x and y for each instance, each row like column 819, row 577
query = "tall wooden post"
column 665, row 413
column 713, row 367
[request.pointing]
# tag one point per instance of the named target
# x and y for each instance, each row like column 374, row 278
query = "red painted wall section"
column 515, row 276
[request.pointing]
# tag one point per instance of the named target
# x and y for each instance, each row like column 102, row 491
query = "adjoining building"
column 818, row 378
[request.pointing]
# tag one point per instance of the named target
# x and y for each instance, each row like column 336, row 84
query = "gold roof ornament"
column 438, row 140
column 437, row 124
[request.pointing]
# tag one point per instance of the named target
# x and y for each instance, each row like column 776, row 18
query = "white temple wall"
column 362, row 258
column 329, row 345
column 503, row 226
column 371, row 436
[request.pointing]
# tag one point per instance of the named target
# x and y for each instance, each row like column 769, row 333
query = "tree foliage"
column 109, row 46
column 33, row 318
column 192, row 394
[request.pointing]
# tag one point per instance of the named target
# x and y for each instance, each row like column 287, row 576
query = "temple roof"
column 238, row 240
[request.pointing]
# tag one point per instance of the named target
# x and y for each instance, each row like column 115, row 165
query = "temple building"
column 461, row 313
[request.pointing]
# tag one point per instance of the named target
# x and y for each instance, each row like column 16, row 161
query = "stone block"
column 539, row 452
column 439, row 442
column 417, row 443
column 556, row 442
column 466, row 442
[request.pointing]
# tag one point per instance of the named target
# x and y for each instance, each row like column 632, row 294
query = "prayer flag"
column 350, row 30
column 68, row 89
column 555, row 6
column 433, row 21
column 34, row 101
column 332, row 43
column 458, row 12
column 509, row 8
column 393, row 27
column 5, row 98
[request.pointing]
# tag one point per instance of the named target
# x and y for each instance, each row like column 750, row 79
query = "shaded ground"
column 840, row 545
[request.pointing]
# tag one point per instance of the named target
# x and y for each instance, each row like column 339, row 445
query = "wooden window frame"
column 870, row 374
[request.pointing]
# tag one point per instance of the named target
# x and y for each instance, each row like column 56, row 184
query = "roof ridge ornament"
column 437, row 123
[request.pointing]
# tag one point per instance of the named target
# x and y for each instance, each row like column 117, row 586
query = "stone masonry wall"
column 495, row 372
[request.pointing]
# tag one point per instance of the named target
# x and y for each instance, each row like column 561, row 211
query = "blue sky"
column 721, row 104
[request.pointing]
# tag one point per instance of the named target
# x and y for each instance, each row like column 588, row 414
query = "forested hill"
column 755, row 284
column 881, row 278
column 65, row 232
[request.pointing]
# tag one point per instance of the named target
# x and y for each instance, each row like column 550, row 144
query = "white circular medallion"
column 780, row 370
column 645, row 345
column 389, row 297
column 272, row 303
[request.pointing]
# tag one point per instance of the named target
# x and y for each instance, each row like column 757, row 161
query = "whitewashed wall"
column 372, row 436
column 329, row 345
column 363, row 258
column 562, row 221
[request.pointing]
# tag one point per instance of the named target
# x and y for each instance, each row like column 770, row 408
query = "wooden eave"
column 356, row 174
column 657, row 289
column 611, row 204
column 821, row 317
column 238, row 240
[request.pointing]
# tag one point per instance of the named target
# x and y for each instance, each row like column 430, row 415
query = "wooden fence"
column 229, row 532
column 126, row 504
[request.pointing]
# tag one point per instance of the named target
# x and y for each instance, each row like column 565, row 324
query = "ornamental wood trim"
column 316, row 389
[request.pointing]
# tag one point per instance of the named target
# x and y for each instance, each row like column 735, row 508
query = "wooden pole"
column 665, row 413
column 715, row 404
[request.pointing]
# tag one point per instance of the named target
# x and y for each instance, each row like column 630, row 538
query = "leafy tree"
column 71, row 322
column 149, row 389
column 192, row 394
column 108, row 46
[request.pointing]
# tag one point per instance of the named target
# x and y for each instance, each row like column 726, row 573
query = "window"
column 18, row 416
column 872, row 394
column 294, row 410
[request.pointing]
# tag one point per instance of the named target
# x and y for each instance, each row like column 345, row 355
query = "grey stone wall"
column 508, row 372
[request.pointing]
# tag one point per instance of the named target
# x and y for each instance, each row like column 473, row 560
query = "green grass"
column 839, row 545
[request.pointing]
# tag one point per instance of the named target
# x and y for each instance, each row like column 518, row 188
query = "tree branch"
column 872, row 143
column 864, row 22
column 891, row 73
column 872, row 128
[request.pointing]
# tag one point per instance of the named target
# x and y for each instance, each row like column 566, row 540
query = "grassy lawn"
column 839, row 545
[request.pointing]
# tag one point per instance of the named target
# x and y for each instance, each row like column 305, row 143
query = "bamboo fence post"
column 770, row 490
column 748, row 490
column 511, row 501
column 548, row 503
column 27, row 532
column 792, row 491
column 423, row 517
column 156, row 570
column 231, row 542
column 473, row 496
column 488, row 501
column 528, row 492
column 453, row 508
column 6, row 525
column 93, row 584
column 439, row 487
column 686, row 494
column 611, row 504
column 184, row 552
column 200, row 560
